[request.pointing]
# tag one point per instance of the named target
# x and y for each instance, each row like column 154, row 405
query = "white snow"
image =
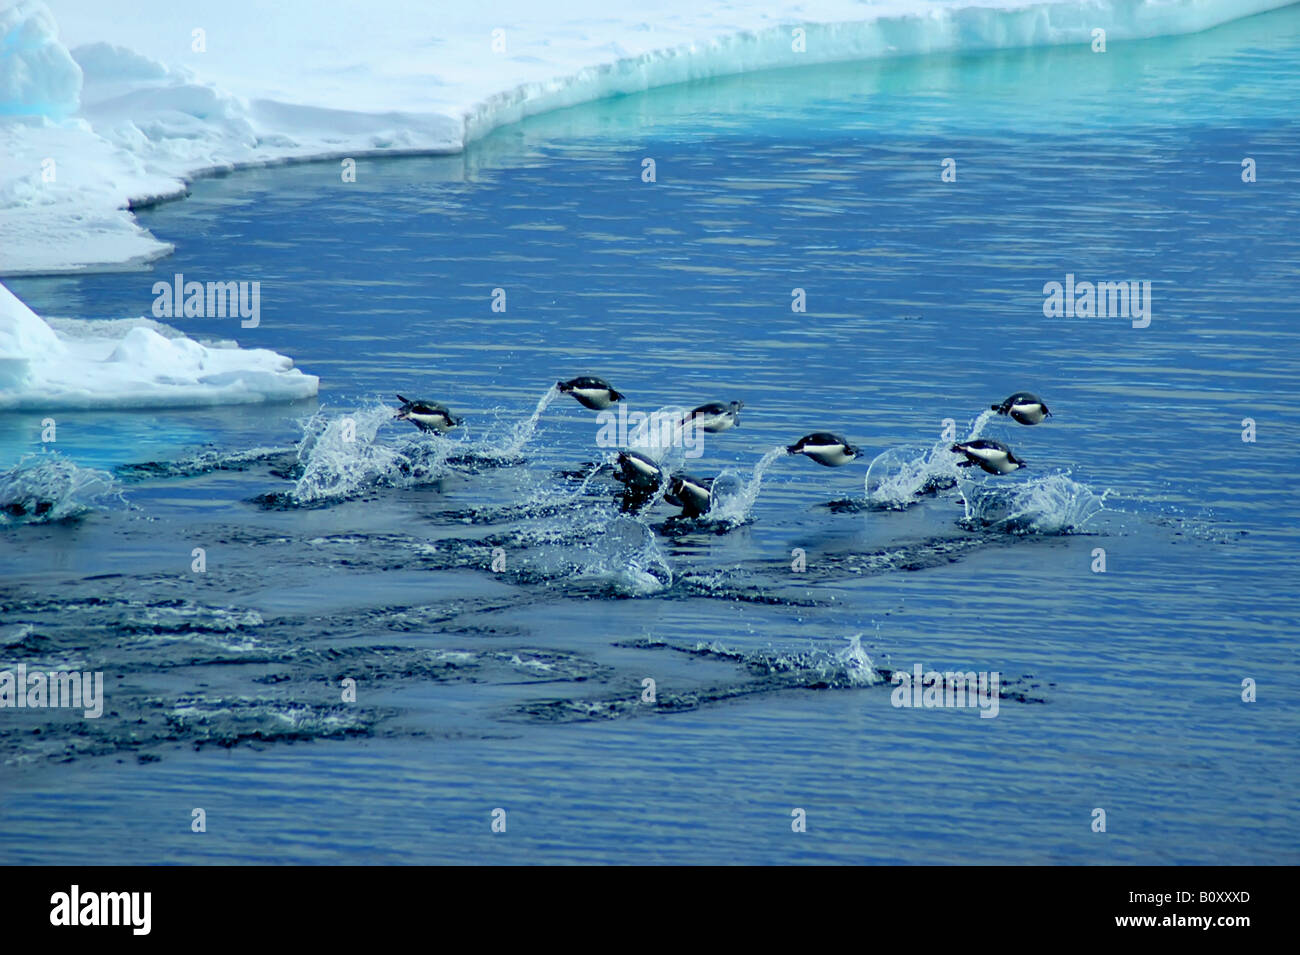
column 132, row 363
column 102, row 103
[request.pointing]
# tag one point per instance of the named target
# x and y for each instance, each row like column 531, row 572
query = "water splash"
column 733, row 497
column 618, row 556
column 523, row 432
column 1052, row 504
column 628, row 557
column 849, row 666
column 47, row 487
column 341, row 455
column 859, row 669
column 663, row 437
column 898, row 477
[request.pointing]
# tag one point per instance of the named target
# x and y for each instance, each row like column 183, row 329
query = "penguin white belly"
column 1032, row 413
column 598, row 397
column 435, row 421
column 831, row 455
column 713, row 424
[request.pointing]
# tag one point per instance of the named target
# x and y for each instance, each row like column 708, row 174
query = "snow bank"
column 133, row 363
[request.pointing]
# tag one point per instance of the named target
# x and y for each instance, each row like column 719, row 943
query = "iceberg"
column 131, row 363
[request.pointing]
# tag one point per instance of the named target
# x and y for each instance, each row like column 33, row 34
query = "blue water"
column 517, row 688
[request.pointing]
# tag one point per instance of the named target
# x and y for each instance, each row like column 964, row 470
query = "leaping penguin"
column 825, row 448
column 1024, row 407
column 715, row 416
column 591, row 392
column 993, row 456
column 427, row 415
column 638, row 471
column 691, row 494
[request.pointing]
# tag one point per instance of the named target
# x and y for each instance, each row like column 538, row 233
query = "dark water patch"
column 279, row 461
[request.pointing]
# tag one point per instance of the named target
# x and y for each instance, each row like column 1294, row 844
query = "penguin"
column 993, row 456
column 691, row 494
column 715, row 417
column 637, row 470
column 591, row 392
column 427, row 415
column 1024, row 407
column 825, row 448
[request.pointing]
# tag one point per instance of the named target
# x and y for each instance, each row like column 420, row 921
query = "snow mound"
column 37, row 75
column 133, row 363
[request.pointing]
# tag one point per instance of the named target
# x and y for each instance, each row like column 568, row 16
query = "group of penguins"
column 643, row 477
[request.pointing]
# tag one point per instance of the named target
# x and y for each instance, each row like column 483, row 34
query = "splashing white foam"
column 859, row 668
column 1052, row 504
column 340, row 455
column 625, row 556
column 47, row 487
column 733, row 497
column 898, row 476
column 662, row 437
column 523, row 432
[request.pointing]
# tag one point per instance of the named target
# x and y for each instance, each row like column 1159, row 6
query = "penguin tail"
column 615, row 396
column 564, row 387
column 958, row 448
column 792, row 449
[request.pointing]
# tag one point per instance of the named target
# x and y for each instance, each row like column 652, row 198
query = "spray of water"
column 899, row 476
column 47, row 487
column 663, row 438
column 523, row 432
column 1052, row 504
column 859, row 668
column 340, row 455
column 733, row 497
